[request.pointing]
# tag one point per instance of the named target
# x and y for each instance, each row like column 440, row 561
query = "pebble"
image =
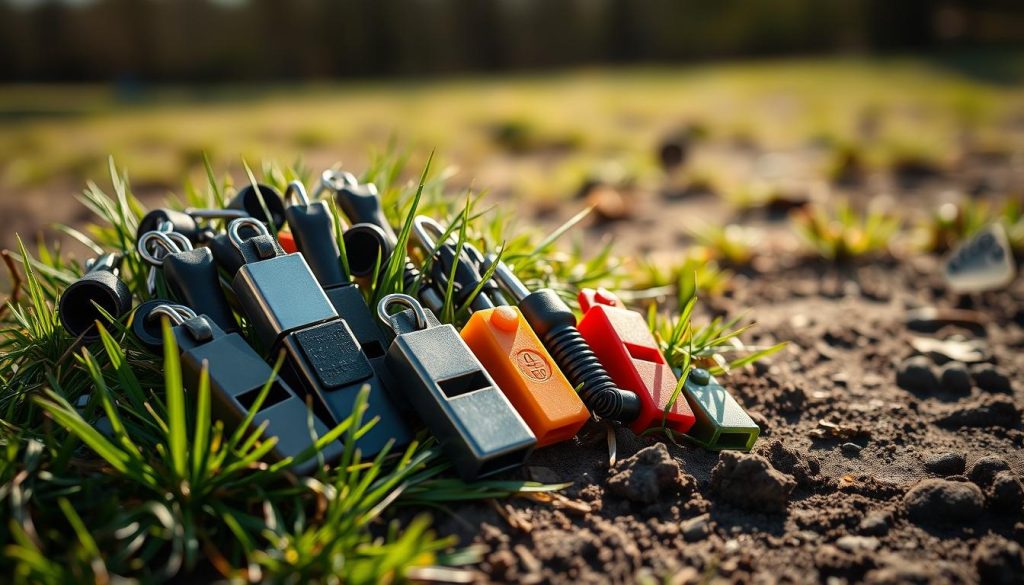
column 940, row 500
column 875, row 523
column 991, row 379
column 749, row 481
column 851, row 449
column 955, row 378
column 696, row 529
column 946, row 464
column 916, row 374
column 985, row 469
column 852, row 543
column 1006, row 493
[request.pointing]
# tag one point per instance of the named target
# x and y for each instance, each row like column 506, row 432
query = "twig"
column 15, row 287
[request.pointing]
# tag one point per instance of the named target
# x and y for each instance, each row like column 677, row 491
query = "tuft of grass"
column 110, row 469
column 842, row 234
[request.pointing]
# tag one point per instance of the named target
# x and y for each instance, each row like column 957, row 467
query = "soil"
column 856, row 477
column 916, row 501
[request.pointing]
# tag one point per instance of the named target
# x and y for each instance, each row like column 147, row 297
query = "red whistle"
column 287, row 242
column 626, row 348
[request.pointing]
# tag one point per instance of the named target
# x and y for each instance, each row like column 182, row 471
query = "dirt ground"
column 861, row 473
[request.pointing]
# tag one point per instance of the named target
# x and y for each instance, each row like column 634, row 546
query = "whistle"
column 290, row 313
column 623, row 342
column 453, row 394
column 237, row 376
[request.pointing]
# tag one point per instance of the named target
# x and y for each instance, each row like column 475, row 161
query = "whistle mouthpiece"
column 248, row 200
column 364, row 244
column 99, row 288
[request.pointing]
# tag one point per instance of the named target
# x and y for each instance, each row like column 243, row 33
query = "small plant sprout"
column 842, row 234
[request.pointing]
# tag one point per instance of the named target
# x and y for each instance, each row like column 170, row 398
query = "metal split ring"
column 406, row 301
column 299, row 190
column 235, row 228
column 168, row 242
column 178, row 314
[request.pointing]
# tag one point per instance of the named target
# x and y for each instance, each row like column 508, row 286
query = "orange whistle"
column 513, row 355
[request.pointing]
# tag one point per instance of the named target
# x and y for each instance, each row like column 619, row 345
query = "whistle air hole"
column 275, row 395
column 732, row 441
column 464, row 384
column 77, row 311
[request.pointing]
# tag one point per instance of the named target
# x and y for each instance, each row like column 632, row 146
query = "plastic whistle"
column 626, row 348
column 525, row 372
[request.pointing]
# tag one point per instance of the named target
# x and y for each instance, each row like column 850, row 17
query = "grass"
column 112, row 470
column 841, row 234
column 522, row 121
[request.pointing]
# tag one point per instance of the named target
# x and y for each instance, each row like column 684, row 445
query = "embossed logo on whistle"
column 533, row 365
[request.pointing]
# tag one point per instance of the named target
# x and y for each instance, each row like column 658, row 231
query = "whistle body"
column 515, row 357
column 721, row 422
column 626, row 348
column 290, row 313
column 475, row 423
column 237, row 376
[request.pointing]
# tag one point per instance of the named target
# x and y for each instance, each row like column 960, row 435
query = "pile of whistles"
column 523, row 373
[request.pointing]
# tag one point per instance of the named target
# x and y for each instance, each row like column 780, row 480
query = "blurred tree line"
column 213, row 40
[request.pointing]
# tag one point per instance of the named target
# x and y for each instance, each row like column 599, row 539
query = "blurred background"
column 667, row 114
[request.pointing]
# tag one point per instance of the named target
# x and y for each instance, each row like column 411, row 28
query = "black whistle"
column 468, row 264
column 191, row 276
column 476, row 425
column 237, row 376
column 555, row 324
column 99, row 286
column 290, row 313
column 359, row 202
column 371, row 236
column 312, row 226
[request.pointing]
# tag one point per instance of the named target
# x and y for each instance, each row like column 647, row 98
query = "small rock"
column 946, row 464
column 985, row 469
column 609, row 204
column 988, row 411
column 991, row 379
column 955, row 378
column 644, row 477
column 875, row 523
column 939, row 500
column 916, row 374
column 696, row 529
column 999, row 561
column 749, row 481
column 1006, row 494
column 850, row 449
column 852, row 543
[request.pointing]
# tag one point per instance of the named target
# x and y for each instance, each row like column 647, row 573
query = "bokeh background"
column 668, row 116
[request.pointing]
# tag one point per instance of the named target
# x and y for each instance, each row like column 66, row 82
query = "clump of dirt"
column 650, row 475
column 749, row 481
